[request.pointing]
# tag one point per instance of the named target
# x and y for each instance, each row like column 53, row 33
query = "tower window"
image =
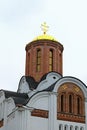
column 50, row 60
column 28, row 62
column 38, row 65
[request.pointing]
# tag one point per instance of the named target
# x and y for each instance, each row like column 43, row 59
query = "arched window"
column 38, row 64
column 76, row 127
column 60, row 127
column 81, row 128
column 78, row 105
column 62, row 103
column 71, row 127
column 66, row 127
column 51, row 60
column 70, row 103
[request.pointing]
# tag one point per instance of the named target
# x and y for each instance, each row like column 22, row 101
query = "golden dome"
column 45, row 37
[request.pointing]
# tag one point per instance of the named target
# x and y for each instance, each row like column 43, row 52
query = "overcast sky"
column 20, row 22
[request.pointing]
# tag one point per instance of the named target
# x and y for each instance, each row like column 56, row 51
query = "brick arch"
column 73, row 103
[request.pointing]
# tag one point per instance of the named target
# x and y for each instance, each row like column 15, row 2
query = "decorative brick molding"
column 1, row 123
column 71, row 117
column 40, row 113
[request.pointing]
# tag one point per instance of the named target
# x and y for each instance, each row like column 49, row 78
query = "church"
column 45, row 99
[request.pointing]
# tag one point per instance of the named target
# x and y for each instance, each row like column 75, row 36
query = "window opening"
column 60, row 127
column 62, row 103
column 38, row 65
column 70, row 103
column 78, row 105
column 51, row 60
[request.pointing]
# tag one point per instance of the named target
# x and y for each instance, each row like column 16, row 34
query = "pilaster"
column 52, row 111
column 86, row 113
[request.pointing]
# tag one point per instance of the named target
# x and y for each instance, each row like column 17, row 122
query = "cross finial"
column 44, row 27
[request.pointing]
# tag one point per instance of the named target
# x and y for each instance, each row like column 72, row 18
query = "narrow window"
column 28, row 62
column 38, row 65
column 62, row 103
column 71, row 127
column 50, row 60
column 81, row 128
column 76, row 128
column 78, row 105
column 70, row 103
column 66, row 127
column 60, row 127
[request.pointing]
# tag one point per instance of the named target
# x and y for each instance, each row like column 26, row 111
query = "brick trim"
column 1, row 123
column 70, row 117
column 40, row 113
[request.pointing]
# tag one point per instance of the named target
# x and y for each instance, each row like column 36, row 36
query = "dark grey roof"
column 43, row 77
column 31, row 82
column 19, row 98
column 22, row 98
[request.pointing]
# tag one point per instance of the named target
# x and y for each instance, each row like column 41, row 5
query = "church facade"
column 45, row 99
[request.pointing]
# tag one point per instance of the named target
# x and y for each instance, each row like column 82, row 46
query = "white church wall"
column 86, row 112
column 2, row 96
column 12, row 122
column 10, row 105
column 23, row 86
column 15, row 121
column 52, row 111
column 38, row 123
column 1, row 111
column 1, row 128
column 20, row 121
column 40, row 101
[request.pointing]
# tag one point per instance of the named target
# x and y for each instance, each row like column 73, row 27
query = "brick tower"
column 43, row 54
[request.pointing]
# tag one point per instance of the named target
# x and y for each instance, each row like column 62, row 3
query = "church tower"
column 43, row 55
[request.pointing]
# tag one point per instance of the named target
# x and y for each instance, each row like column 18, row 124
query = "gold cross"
column 44, row 27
